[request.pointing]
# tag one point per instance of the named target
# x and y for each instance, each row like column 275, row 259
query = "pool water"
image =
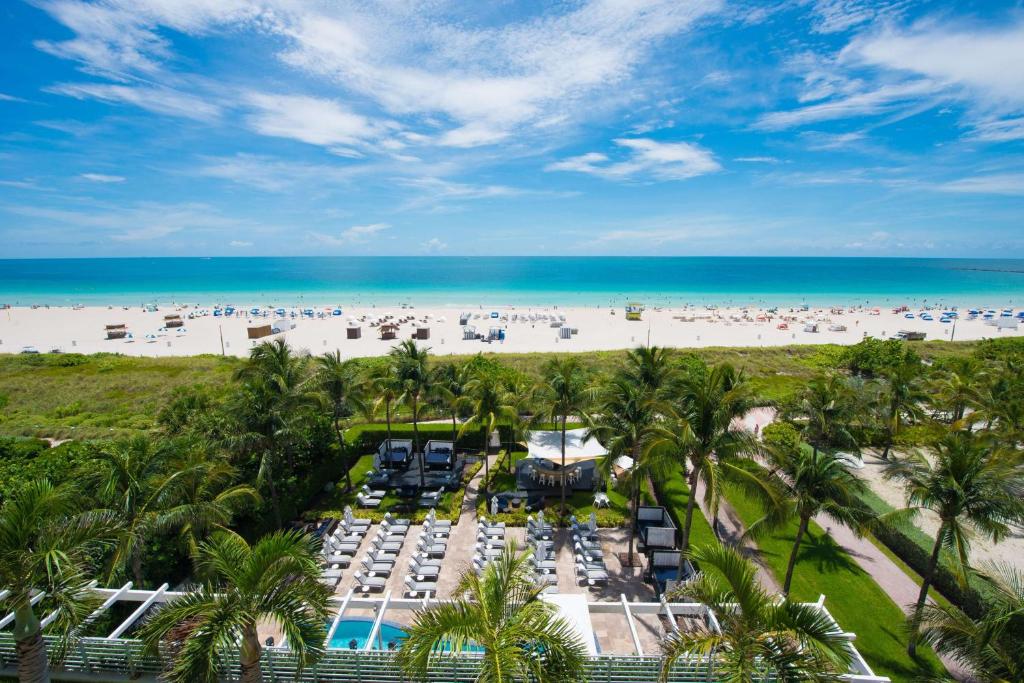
column 352, row 633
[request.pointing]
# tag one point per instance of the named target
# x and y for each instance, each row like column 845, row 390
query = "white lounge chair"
column 416, row 589
column 377, row 568
column 370, row 583
column 367, row 502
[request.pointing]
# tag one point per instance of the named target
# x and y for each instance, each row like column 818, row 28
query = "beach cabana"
column 439, row 455
column 173, row 320
column 398, row 456
column 634, row 310
column 388, row 331
column 117, row 331
column 422, row 332
column 547, row 445
column 260, row 331
column 354, row 331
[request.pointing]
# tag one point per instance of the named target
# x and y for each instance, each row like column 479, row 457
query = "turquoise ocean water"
column 516, row 280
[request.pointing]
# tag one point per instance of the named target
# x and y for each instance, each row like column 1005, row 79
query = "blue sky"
column 664, row 127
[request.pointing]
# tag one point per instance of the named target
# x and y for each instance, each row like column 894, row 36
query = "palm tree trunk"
column 341, row 451
column 249, row 657
column 487, row 468
column 691, row 503
column 387, row 417
column 804, row 521
column 563, row 473
column 137, row 565
column 275, row 504
column 416, row 439
column 634, row 513
column 922, row 597
column 454, row 433
column 30, row 647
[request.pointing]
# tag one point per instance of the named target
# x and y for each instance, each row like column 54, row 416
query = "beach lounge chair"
column 369, row 584
column 490, row 525
column 400, row 521
column 394, row 529
column 437, row 532
column 544, row 565
column 490, row 541
column 488, row 553
column 331, row 574
column 373, row 493
column 427, row 561
column 386, row 546
column 329, row 582
column 381, row 556
column 546, row 579
column 367, row 502
column 590, row 564
column 429, row 500
column 589, row 553
column 332, row 547
column 377, row 568
column 431, row 548
column 416, row 589
column 592, row 577
column 423, row 572
column 439, row 523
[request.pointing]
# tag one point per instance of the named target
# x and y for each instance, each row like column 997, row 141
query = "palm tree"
column 707, row 404
column 47, row 544
column 340, row 387
column 989, row 648
column 759, row 638
column 273, row 397
column 449, row 386
column 957, row 387
column 563, row 392
column 278, row 578
column 489, row 403
column 384, row 382
column 970, row 486
column 808, row 483
column 520, row 393
column 649, row 366
column 206, row 497
column 131, row 477
column 522, row 636
column 901, row 396
column 828, row 408
column 414, row 377
column 625, row 424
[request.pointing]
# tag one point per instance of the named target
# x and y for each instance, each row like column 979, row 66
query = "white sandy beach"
column 599, row 328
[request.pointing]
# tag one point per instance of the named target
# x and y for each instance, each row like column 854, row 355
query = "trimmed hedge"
column 366, row 438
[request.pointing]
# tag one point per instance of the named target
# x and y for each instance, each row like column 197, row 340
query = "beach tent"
column 547, row 445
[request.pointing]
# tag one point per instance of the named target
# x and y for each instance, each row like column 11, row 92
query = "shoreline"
column 526, row 329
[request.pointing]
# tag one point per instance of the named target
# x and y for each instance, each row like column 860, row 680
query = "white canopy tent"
column 547, row 445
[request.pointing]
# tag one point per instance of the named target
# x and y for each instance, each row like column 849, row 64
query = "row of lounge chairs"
column 539, row 536
column 380, row 560
column 338, row 548
column 425, row 565
column 490, row 544
column 590, row 567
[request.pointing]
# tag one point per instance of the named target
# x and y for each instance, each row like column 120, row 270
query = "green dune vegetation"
column 150, row 469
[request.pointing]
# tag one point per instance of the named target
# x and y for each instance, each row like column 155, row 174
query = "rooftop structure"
column 617, row 634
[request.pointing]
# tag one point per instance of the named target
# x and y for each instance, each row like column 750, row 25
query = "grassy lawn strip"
column 851, row 595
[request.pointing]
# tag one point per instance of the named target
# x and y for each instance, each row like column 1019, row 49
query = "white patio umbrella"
column 593, row 521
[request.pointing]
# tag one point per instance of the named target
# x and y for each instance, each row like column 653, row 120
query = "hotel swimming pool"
column 352, row 633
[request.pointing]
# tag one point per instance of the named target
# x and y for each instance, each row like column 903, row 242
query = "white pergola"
column 547, row 445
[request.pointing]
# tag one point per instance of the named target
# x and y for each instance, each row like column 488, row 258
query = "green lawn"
column 851, row 595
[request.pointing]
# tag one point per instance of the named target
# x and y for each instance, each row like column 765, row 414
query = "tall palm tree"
column 901, row 396
column 341, row 388
column 414, row 377
column 132, row 477
column 277, row 578
column 520, row 393
column 563, row 393
column 449, row 386
column 47, row 544
column 808, row 483
column 625, row 423
column 956, row 387
column 273, row 399
column 522, row 636
column 972, row 487
column 384, row 382
column 759, row 638
column 649, row 366
column 828, row 408
column 707, row 404
column 488, row 403
column 989, row 648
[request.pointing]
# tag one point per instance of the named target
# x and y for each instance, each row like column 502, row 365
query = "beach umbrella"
column 593, row 521
column 494, row 505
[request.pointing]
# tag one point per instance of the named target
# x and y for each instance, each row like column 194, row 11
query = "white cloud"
column 999, row 130
column 433, row 246
column 758, row 160
column 883, row 99
column 4, row 97
column 155, row 99
column 102, row 178
column 834, row 16
column 357, row 234
column 661, row 160
column 276, row 175
column 239, row 244
column 309, row 119
column 1011, row 184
